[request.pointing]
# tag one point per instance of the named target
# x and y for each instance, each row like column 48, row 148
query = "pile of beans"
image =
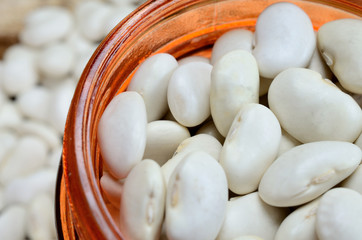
column 37, row 80
column 190, row 153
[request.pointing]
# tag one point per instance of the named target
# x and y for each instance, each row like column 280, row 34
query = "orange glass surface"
column 181, row 28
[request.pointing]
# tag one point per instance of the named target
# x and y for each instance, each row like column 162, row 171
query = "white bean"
column 54, row 157
column 249, row 215
column 250, row 147
column 2, row 202
column 142, row 205
column 90, row 18
column 18, row 76
column 19, row 162
column 10, row 116
column 339, row 215
column 56, row 61
column 116, row 16
column 300, row 224
column 61, row 97
column 49, row 135
column 200, row 142
column 284, row 38
column 230, row 41
column 339, row 42
column 188, row 93
column 8, row 140
column 34, row 103
column 80, row 45
column 40, row 218
column 20, row 51
column 122, row 133
column 196, row 198
column 307, row 171
column 12, row 223
column 46, row 25
column 23, row 189
column 3, row 98
column 151, row 81
column 81, row 62
column 234, row 82
column 163, row 138
column 311, row 109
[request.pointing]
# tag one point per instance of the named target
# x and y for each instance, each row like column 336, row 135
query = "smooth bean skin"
column 339, row 42
column 250, row 147
column 249, row 215
column 46, row 25
column 188, row 93
column 122, row 133
column 60, row 100
column 300, row 224
column 234, row 82
column 196, row 198
column 339, row 215
column 18, row 162
column 35, row 103
column 40, row 218
column 312, row 109
column 230, row 41
column 56, row 61
column 307, row 171
column 142, row 205
column 151, row 82
column 13, row 223
column 23, row 189
column 284, row 38
column 199, row 142
column 163, row 138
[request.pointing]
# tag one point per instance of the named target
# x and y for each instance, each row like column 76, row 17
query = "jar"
column 178, row 27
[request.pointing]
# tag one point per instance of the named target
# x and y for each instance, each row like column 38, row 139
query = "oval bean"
column 234, row 82
column 300, row 224
column 163, row 138
column 250, row 147
column 283, row 38
column 339, row 42
column 312, row 109
column 339, row 215
column 249, row 215
column 196, row 198
column 307, row 171
column 188, row 93
column 142, row 205
column 122, row 133
column 151, row 81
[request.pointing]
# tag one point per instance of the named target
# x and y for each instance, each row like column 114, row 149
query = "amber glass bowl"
column 178, row 27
